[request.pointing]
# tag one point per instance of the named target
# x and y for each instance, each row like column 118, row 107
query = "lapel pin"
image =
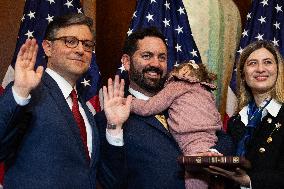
column 269, row 139
column 278, row 125
column 261, row 150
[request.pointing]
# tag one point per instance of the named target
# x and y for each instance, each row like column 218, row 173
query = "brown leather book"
column 194, row 163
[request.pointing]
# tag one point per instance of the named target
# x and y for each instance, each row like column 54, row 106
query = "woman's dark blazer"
column 267, row 159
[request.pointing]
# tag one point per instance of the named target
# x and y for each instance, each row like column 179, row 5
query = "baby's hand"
column 208, row 153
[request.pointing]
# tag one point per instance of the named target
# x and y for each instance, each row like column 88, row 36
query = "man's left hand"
column 116, row 107
column 239, row 175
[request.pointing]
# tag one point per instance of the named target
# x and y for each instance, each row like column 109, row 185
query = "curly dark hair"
column 130, row 45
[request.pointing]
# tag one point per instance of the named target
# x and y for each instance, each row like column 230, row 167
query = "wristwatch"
column 111, row 126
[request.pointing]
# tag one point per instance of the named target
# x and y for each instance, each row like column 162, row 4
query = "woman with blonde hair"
column 257, row 130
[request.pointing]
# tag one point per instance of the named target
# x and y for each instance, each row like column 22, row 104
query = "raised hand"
column 26, row 78
column 116, row 107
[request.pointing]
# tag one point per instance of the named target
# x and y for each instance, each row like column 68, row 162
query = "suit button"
column 261, row 150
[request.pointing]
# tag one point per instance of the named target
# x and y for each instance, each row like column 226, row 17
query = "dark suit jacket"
column 268, row 167
column 51, row 153
column 148, row 158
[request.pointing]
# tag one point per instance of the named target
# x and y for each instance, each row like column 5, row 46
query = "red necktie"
column 79, row 120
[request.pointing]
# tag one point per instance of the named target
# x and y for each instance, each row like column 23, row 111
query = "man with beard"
column 145, row 157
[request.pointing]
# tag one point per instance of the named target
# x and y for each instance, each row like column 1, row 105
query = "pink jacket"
column 193, row 117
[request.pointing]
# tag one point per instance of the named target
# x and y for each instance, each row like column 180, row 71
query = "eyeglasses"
column 72, row 42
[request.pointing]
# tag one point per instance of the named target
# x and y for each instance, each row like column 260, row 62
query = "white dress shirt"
column 273, row 108
column 138, row 95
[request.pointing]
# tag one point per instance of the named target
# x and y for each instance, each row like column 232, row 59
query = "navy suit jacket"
column 267, row 170
column 51, row 153
column 148, row 158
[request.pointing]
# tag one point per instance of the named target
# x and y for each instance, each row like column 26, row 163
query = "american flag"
column 170, row 17
column 37, row 14
column 265, row 21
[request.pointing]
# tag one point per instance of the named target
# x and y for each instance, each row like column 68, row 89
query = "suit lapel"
column 95, row 133
column 154, row 122
column 62, row 105
column 268, row 123
column 151, row 120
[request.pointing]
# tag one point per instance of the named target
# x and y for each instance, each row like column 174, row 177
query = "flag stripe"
column 1, row 90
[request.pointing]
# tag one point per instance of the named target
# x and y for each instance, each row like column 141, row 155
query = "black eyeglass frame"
column 67, row 39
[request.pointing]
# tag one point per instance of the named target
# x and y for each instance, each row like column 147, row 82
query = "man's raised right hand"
column 26, row 78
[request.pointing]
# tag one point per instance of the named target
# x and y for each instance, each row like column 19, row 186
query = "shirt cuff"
column 116, row 140
column 243, row 187
column 213, row 150
column 20, row 100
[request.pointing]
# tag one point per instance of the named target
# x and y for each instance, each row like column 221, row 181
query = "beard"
column 151, row 85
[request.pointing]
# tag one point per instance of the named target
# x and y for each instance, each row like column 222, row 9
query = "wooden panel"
column 113, row 18
column 90, row 9
column 10, row 17
column 244, row 6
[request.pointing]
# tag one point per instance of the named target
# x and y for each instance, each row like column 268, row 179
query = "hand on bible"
column 26, row 78
column 208, row 153
column 116, row 107
column 239, row 175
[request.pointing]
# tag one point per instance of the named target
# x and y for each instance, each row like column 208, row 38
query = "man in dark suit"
column 146, row 153
column 60, row 145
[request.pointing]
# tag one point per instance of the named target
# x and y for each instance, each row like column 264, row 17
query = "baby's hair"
column 198, row 71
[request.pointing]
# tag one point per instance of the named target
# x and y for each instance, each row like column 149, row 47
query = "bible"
column 197, row 163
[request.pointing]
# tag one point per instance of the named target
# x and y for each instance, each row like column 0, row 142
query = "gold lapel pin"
column 269, row 139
